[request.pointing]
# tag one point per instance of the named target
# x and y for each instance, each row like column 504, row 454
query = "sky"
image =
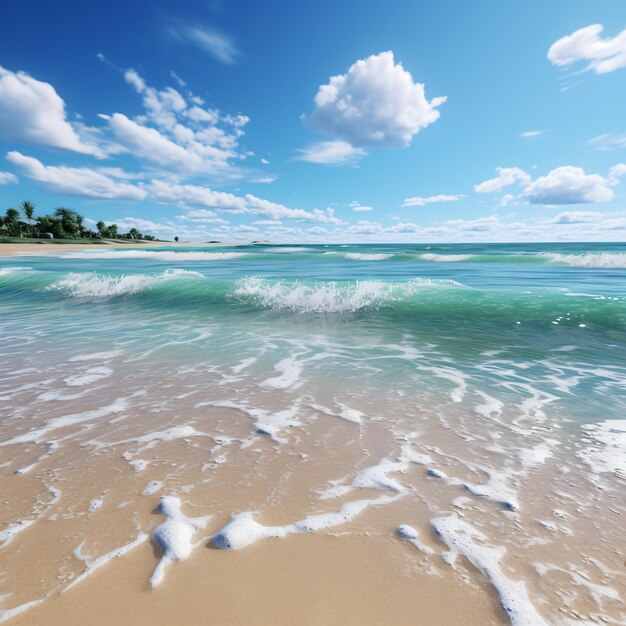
column 326, row 121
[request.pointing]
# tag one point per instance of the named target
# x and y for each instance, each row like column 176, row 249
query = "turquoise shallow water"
column 555, row 313
column 547, row 304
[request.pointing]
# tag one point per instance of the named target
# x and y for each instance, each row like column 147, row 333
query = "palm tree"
column 28, row 209
column 11, row 221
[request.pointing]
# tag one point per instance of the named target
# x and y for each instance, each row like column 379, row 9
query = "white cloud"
column 336, row 152
column 569, row 185
column 531, row 133
column 375, row 103
column 150, row 144
column 208, row 39
column 357, row 206
column 32, row 112
column 264, row 161
column 7, row 178
column 616, row 172
column 563, row 185
column 421, row 201
column 586, row 44
column 506, row 176
column 576, row 217
column 194, row 195
column 177, row 132
column 264, row 179
column 77, row 181
column 609, row 141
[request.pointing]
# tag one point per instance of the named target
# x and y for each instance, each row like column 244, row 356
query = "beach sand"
column 45, row 247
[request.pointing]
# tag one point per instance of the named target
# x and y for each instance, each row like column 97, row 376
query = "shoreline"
column 27, row 249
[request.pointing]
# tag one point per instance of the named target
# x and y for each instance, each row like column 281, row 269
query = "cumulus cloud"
column 150, row 144
column 336, row 152
column 569, row 185
column 531, row 133
column 32, row 112
column 178, row 132
column 506, row 176
column 602, row 55
column 563, row 185
column 76, row 181
column 7, row 178
column 421, row 201
column 375, row 103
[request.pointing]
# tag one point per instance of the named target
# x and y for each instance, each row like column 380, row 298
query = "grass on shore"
column 19, row 240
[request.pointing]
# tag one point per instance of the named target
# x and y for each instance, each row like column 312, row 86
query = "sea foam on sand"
column 462, row 538
column 174, row 535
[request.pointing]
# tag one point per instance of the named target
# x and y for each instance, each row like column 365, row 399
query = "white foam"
column 410, row 534
column 243, row 530
column 445, row 258
column 56, row 423
column 92, row 375
column 94, row 505
column 372, row 477
column 332, row 297
column 290, row 369
column 152, row 487
column 92, row 285
column 94, row 564
column 266, row 422
column 174, row 535
column 7, row 535
column 607, row 449
column 139, row 465
column 598, row 260
column 345, row 412
column 11, row 269
column 7, row 614
column 288, row 249
column 461, row 538
column 96, row 356
column 243, row 364
column 357, row 256
column 157, row 255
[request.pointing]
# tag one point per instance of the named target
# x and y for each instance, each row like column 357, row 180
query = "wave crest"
column 331, row 297
column 595, row 260
column 93, row 285
column 359, row 256
column 445, row 258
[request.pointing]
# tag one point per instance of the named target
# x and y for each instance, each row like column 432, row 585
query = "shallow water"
column 474, row 393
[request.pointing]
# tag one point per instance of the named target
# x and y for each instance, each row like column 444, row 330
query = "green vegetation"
column 66, row 225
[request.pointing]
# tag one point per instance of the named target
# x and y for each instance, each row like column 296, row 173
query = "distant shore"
column 45, row 246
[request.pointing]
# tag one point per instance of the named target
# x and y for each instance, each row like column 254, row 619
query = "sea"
column 473, row 395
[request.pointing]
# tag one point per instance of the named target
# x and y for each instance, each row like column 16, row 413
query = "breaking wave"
column 595, row 260
column 93, row 285
column 332, row 296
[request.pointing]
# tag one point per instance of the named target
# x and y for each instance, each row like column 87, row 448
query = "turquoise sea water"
column 527, row 300
column 490, row 380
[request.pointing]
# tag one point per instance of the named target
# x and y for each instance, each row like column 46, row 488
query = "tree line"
column 62, row 224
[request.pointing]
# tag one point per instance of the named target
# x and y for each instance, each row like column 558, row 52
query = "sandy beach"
column 45, row 247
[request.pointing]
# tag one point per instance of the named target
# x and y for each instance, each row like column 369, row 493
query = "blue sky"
column 446, row 121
